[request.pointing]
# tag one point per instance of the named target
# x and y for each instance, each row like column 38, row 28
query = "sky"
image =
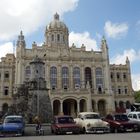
column 87, row 20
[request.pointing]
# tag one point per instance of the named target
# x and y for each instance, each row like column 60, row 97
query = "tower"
column 20, row 52
column 107, row 82
column 57, row 34
column 40, row 103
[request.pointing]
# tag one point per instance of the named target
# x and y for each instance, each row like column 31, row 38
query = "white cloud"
column 6, row 48
column 136, row 81
column 121, row 58
column 83, row 38
column 29, row 15
column 115, row 30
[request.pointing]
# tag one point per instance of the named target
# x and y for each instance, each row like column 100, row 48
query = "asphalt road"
column 119, row 136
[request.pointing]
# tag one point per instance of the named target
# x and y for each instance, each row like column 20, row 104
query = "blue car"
column 12, row 126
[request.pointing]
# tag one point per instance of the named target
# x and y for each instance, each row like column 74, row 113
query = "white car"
column 135, row 116
column 90, row 122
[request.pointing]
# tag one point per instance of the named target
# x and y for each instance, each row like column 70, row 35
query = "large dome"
column 57, row 33
column 56, row 24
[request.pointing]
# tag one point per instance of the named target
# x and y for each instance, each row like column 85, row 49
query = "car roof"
column 114, row 114
column 59, row 116
column 134, row 112
column 85, row 113
column 14, row 116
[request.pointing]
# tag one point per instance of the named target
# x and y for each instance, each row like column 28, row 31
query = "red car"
column 64, row 125
column 121, row 123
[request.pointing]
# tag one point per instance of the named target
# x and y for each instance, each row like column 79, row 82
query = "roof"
column 134, row 112
column 13, row 116
column 84, row 113
column 56, row 23
column 58, row 116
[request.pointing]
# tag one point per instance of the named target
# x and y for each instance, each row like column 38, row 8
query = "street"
column 119, row 136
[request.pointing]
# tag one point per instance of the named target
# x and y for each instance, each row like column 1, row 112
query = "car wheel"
column 23, row 133
column 115, row 130
column 52, row 131
column 56, row 132
column 84, row 130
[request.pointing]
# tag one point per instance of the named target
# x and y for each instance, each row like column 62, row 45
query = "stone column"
column 59, row 77
column 82, row 76
column 96, row 106
column 48, row 76
column 78, row 106
column 94, row 79
column 61, row 107
column 71, row 77
column 89, row 104
column 2, row 82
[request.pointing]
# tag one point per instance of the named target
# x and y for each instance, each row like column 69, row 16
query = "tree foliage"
column 137, row 96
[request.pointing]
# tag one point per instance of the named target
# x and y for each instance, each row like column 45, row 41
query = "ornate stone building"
column 78, row 80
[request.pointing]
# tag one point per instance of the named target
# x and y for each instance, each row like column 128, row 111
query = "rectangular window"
column 124, row 76
column 112, row 76
column 6, row 75
column 125, row 90
column 119, row 90
column 6, row 91
column 118, row 75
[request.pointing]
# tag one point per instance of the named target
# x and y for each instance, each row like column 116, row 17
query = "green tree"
column 137, row 96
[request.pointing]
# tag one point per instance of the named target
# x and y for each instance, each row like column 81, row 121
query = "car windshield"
column 92, row 116
column 65, row 120
column 122, row 117
column 13, row 120
column 139, row 115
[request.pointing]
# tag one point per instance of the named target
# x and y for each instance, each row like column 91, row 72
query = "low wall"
column 30, row 129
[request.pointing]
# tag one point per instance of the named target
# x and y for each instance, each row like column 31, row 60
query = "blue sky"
column 87, row 20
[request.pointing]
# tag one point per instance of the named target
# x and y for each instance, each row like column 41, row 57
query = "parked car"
column 64, row 124
column 121, row 123
column 135, row 116
column 12, row 126
column 90, row 122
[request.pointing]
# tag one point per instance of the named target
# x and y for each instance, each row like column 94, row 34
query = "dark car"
column 64, row 124
column 12, row 125
column 121, row 123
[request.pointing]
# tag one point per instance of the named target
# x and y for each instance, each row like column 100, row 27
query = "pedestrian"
column 39, row 130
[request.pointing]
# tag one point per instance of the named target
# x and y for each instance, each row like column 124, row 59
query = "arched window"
column 53, row 77
column 27, row 71
column 58, row 37
column 52, row 37
column 99, row 79
column 76, row 77
column 65, row 77
column 88, row 77
column 99, row 72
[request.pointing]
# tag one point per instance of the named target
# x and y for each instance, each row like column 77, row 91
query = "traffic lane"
column 116, row 136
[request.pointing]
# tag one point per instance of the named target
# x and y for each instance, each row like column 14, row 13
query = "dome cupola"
column 56, row 33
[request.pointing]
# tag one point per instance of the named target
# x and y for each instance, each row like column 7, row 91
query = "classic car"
column 64, row 125
column 135, row 116
column 90, row 122
column 12, row 126
column 120, row 123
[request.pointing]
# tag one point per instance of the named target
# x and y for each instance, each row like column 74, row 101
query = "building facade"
column 78, row 80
